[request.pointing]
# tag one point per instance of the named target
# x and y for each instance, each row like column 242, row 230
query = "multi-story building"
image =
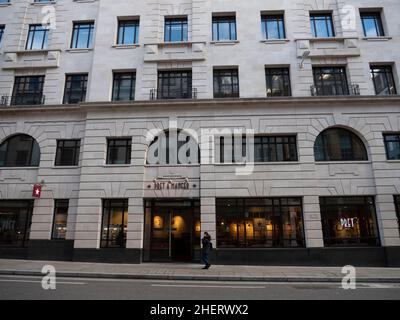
column 127, row 128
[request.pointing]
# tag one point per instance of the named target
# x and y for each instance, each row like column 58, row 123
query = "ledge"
column 274, row 41
column 377, row 38
column 79, row 50
column 225, row 42
column 343, row 162
column 5, row 4
column 126, row 46
column 333, row 39
column 45, row 3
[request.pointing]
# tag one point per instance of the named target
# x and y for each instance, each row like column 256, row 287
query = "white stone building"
column 313, row 84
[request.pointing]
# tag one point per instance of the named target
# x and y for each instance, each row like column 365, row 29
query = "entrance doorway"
column 172, row 230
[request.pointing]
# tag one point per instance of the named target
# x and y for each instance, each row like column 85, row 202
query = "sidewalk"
column 170, row 271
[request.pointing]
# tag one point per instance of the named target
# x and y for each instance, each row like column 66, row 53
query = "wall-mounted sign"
column 171, row 184
column 347, row 223
column 37, row 190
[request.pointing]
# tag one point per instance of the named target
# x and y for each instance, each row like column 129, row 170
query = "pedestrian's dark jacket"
column 206, row 243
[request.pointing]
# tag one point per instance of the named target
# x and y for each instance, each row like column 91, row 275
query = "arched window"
column 19, row 151
column 338, row 144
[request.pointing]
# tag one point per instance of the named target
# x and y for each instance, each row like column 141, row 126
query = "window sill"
column 79, row 50
column 274, row 163
column 126, row 46
column 393, row 161
column 116, row 165
column 274, row 41
column 65, row 167
column 5, row 4
column 46, row 3
column 19, row 168
column 377, row 38
column 342, row 162
column 172, row 165
column 224, row 42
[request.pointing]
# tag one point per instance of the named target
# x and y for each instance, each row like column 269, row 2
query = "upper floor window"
column 124, row 86
column 176, row 84
column 119, row 150
column 226, row 83
column 60, row 219
column 330, row 81
column 128, row 32
column 19, row 151
column 372, row 24
column 176, row 29
column 275, row 148
column 82, row 35
column 392, row 145
column 75, row 88
column 37, row 37
column 67, row 152
column 338, row 144
column 383, row 79
column 278, row 82
column 4, row 1
column 28, row 90
column 2, row 28
column 224, row 28
column 322, row 25
column 273, row 26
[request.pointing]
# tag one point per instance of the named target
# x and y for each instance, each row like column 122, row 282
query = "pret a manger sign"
column 347, row 223
column 160, row 184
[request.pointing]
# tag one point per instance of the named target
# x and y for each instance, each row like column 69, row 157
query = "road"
column 24, row 287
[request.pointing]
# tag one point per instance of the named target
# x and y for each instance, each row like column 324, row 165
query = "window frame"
column 285, row 84
column 60, row 146
column 396, row 199
column 340, row 80
column 68, row 91
column 117, row 78
column 169, row 76
column 2, row 31
column 377, row 17
column 217, row 21
column 107, row 204
column 127, row 23
column 64, row 204
column 218, row 74
column 170, row 22
column 31, row 162
column 128, row 151
column 76, row 30
column 328, row 18
column 279, row 19
column 388, row 73
column 33, row 31
column 385, row 141
column 20, row 97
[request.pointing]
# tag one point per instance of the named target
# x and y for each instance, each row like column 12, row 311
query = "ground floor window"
column 114, row 223
column 349, row 221
column 397, row 204
column 260, row 222
column 15, row 220
column 60, row 219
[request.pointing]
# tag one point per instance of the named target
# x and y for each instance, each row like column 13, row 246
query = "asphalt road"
column 23, row 287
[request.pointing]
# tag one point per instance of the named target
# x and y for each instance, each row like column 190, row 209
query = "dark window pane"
column 75, row 88
column 19, row 151
column 119, row 151
column 28, row 90
column 382, row 77
column 60, row 219
column 392, row 146
column 226, row 83
column 330, row 81
column 278, row 82
column 114, row 223
column 124, row 86
column 67, row 153
column 175, row 84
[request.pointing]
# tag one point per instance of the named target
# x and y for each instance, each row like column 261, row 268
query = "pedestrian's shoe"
column 205, row 267
column 208, row 266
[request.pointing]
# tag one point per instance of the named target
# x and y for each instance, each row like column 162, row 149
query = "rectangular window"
column 82, row 35
column 28, row 90
column 372, row 24
column 226, row 83
column 330, row 81
column 175, row 84
column 322, row 25
column 114, row 223
column 67, row 152
column 349, row 221
column 273, row 26
column 383, row 79
column 278, row 82
column 224, row 28
column 60, row 219
column 397, row 206
column 15, row 222
column 175, row 29
column 392, row 145
column 75, row 88
column 128, row 32
column 2, row 28
column 275, row 148
column 37, row 37
column 259, row 222
column 119, row 151
column 124, row 86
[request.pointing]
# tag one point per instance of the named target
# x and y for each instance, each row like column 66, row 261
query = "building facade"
column 130, row 127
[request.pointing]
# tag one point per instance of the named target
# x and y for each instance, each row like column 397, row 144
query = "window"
column 2, row 28
column 176, row 29
column 67, row 152
column 82, row 35
column 259, row 222
column 128, row 32
column 226, row 83
column 4, row 1
column 330, row 81
column 349, row 221
column 37, row 37
column 119, row 151
column 275, row 148
column 124, row 86
column 383, row 79
column 337, row 144
column 19, row 151
column 392, row 145
column 28, row 90
column 278, row 82
column 224, row 28
column 174, row 84
column 60, row 219
column 15, row 222
column 114, row 223
column 75, row 88
column 322, row 25
column 372, row 24
column 397, row 205
column 273, row 26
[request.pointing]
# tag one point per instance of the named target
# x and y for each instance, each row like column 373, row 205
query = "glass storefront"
column 349, row 221
column 114, row 223
column 15, row 221
column 259, row 222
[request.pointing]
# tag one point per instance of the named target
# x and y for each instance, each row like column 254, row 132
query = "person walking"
column 206, row 248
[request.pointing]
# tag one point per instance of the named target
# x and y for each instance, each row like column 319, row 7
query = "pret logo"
column 37, row 191
column 171, row 184
column 347, row 223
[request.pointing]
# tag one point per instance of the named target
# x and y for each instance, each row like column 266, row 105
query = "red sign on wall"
column 37, row 191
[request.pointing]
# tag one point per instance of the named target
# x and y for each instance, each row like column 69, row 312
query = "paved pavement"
column 157, row 271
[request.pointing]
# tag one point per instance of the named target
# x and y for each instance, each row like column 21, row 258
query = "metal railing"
column 22, row 100
column 158, row 94
column 352, row 90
